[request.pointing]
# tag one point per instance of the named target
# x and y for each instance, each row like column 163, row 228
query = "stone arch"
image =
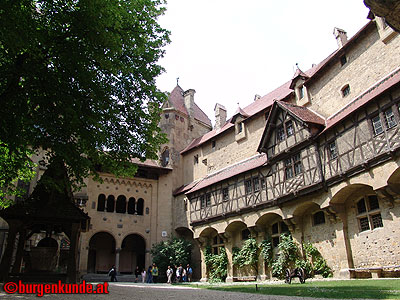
column 44, row 257
column 140, row 206
column 272, row 225
column 132, row 253
column 101, row 202
column 394, row 181
column 353, row 191
column 187, row 234
column 101, row 256
column 120, row 206
column 131, row 206
column 110, row 203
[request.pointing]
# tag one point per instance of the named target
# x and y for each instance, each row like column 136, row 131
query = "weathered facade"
column 318, row 156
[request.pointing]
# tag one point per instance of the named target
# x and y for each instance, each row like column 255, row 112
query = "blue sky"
column 230, row 50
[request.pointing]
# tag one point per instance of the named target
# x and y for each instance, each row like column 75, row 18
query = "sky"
column 231, row 50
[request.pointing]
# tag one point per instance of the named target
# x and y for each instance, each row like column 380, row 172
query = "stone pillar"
column 14, row 227
column 202, row 246
column 20, row 251
column 228, row 241
column 345, row 252
column 117, row 251
column 72, row 255
column 258, row 233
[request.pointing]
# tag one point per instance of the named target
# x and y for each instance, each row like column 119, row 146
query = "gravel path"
column 132, row 291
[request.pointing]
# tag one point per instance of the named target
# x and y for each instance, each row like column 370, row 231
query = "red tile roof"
column 228, row 172
column 303, row 113
column 177, row 101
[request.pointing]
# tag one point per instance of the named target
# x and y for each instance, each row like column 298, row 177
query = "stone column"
column 228, row 241
column 117, row 251
column 202, row 246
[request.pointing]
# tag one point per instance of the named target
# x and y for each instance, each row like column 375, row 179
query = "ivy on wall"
column 217, row 264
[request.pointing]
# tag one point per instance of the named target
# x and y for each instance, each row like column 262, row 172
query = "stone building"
column 318, row 156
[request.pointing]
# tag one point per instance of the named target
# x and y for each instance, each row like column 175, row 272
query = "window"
column 247, row 186
column 301, row 92
column 293, row 166
column 256, row 184
column 202, row 201
column 120, row 206
column 101, row 202
column 140, row 207
column 280, row 134
column 332, row 150
column 196, row 159
column 346, row 90
column 217, row 244
column 208, row 199
column 289, row 128
column 277, row 229
column 343, row 60
column 318, row 218
column 377, row 125
column 239, row 127
column 389, row 118
column 368, row 213
column 165, row 158
column 225, row 194
column 166, row 116
column 213, row 144
column 110, row 203
column 245, row 234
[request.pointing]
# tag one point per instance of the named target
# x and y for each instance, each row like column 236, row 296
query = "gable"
column 287, row 126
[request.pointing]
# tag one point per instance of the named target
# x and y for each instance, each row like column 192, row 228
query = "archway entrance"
column 101, row 253
column 132, row 254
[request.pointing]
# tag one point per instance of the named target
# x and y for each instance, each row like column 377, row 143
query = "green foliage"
column 13, row 166
column 172, row 252
column 247, row 255
column 319, row 265
column 287, row 256
column 267, row 251
column 78, row 80
column 217, row 264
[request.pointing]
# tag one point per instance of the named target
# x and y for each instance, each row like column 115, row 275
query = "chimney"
column 341, row 36
column 189, row 100
column 220, row 115
column 257, row 97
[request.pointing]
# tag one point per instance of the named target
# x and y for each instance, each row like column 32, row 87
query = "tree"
column 78, row 80
column 172, row 252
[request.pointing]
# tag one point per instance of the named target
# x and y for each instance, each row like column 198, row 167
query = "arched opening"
column 131, row 206
column 110, row 203
column 121, row 204
column 140, row 206
column 101, row 253
column 101, row 202
column 394, row 181
column 44, row 257
column 132, row 253
column 187, row 234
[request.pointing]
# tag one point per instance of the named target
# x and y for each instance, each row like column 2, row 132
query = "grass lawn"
column 341, row 289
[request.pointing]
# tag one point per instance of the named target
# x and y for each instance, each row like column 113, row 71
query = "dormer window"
column 280, row 134
column 239, row 127
column 301, row 92
column 346, row 90
column 289, row 128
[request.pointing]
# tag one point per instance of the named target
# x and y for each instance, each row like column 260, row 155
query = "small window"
column 166, row 116
column 377, row 125
column 297, row 164
column 280, row 134
column 213, row 144
column 248, row 186
column 208, row 199
column 369, row 216
column 346, row 90
column 239, row 127
column 196, row 159
column 165, row 158
column 343, row 60
column 288, row 169
column 289, row 128
column 332, row 150
column 225, row 194
column 276, row 230
column 245, row 234
column 389, row 118
column 318, row 218
column 202, row 201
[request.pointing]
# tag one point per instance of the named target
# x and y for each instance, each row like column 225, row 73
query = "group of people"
column 176, row 274
column 179, row 274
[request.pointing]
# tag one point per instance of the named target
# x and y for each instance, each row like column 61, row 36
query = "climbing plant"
column 217, row 264
column 287, row 256
column 267, row 251
column 247, row 255
column 317, row 262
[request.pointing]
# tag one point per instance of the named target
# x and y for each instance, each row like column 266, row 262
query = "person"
column 183, row 275
column 137, row 273
column 178, row 275
column 169, row 275
column 189, row 272
column 113, row 274
column 149, row 275
column 144, row 275
column 154, row 272
column 180, row 272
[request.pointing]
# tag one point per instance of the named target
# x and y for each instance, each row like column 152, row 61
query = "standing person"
column 137, row 273
column 178, row 275
column 169, row 275
column 144, row 275
column 184, row 275
column 189, row 272
column 180, row 270
column 149, row 275
column 113, row 274
column 154, row 272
